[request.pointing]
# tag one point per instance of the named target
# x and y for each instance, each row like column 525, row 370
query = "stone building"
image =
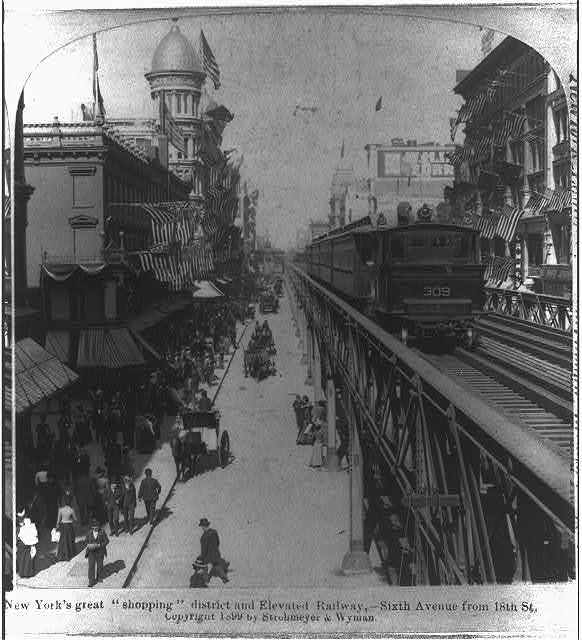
column 406, row 171
column 517, row 153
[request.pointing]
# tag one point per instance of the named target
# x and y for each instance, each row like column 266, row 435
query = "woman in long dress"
column 26, row 550
column 317, row 448
column 66, row 519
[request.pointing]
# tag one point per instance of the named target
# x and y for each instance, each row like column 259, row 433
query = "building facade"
column 517, row 153
column 405, row 171
column 86, row 178
column 349, row 197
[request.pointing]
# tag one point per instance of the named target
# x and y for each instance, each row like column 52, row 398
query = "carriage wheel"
column 224, row 450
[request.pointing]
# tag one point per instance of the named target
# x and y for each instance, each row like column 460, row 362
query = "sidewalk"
column 123, row 550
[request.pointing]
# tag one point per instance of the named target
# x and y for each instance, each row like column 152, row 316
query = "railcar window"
column 433, row 246
column 366, row 246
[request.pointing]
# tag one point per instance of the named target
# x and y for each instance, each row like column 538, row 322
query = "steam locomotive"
column 423, row 279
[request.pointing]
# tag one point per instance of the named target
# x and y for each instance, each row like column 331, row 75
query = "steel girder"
column 456, row 490
column 548, row 311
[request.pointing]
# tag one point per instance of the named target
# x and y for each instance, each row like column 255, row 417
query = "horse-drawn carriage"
column 268, row 302
column 278, row 287
column 200, row 444
column 259, row 362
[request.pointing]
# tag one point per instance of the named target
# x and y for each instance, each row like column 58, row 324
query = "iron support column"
column 318, row 392
column 309, row 344
column 332, row 461
column 356, row 561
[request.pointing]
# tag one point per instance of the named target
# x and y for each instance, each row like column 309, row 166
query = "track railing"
column 482, row 500
column 548, row 311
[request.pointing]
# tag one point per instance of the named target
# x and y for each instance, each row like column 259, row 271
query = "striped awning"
column 108, row 349
column 58, row 343
column 38, row 375
column 155, row 314
column 205, row 290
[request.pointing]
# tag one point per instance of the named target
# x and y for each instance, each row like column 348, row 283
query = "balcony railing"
column 110, row 256
column 52, row 258
column 561, row 150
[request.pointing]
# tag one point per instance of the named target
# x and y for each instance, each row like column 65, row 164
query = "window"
column 178, row 103
column 561, row 124
column 535, row 111
column 517, row 152
column 536, row 183
column 537, row 155
column 535, row 249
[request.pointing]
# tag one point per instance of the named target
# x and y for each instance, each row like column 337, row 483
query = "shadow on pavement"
column 112, row 568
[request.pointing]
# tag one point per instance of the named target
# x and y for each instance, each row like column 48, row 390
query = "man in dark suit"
column 95, row 551
column 149, row 490
column 128, row 503
column 210, row 553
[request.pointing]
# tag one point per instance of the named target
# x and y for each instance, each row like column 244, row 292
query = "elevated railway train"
column 423, row 280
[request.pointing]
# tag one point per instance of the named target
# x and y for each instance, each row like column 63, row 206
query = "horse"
column 192, row 450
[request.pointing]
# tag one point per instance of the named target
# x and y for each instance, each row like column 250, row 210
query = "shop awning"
column 58, row 344
column 148, row 347
column 108, row 349
column 157, row 313
column 38, row 375
column 205, row 290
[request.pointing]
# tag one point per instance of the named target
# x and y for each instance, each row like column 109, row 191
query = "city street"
column 280, row 522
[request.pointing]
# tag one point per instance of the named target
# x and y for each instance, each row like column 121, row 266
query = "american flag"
column 499, row 269
column 169, row 126
column 482, row 147
column 486, row 227
column 508, row 221
column 209, row 61
column 511, row 128
column 560, row 199
column 536, row 203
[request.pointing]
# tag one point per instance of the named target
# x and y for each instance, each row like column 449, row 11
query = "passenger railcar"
column 345, row 262
column 423, row 280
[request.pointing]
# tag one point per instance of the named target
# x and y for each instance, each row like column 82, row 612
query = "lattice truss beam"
column 454, row 506
column 548, row 311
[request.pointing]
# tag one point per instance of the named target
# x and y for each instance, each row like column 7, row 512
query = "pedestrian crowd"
column 200, row 345
column 59, row 491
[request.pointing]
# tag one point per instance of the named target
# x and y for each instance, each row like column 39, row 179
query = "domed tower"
column 177, row 75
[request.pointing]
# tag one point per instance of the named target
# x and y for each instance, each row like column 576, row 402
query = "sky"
column 340, row 63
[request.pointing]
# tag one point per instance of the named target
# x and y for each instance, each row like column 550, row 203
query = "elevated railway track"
column 472, row 477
